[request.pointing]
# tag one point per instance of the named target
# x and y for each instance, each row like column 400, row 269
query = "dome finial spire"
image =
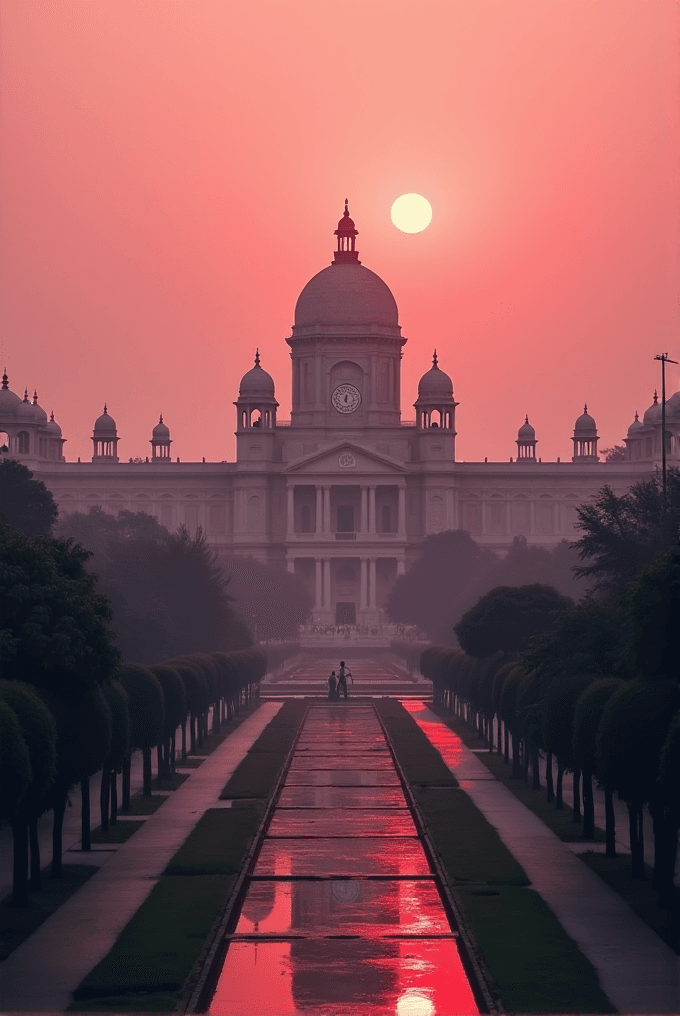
column 435, row 361
column 656, row 397
column 346, row 234
column 5, row 379
column 257, row 357
column 35, row 396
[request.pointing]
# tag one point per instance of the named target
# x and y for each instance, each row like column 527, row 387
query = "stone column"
column 371, row 583
column 371, row 509
column 363, row 587
column 326, row 508
column 319, row 510
column 327, row 583
column 364, row 510
column 291, row 511
column 318, row 585
column 401, row 566
column 290, row 564
column 401, row 518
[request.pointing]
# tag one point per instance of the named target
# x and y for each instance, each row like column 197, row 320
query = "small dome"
column 635, row 426
column 526, row 432
column 257, row 383
column 585, row 422
column 8, row 400
column 39, row 414
column 161, row 432
column 105, row 424
column 435, row 384
column 24, row 410
column 53, row 427
column 653, row 414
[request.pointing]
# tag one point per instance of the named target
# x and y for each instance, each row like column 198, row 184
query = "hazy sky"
column 173, row 171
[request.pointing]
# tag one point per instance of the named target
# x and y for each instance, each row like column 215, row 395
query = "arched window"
column 4, row 441
column 386, row 516
column 24, row 442
column 305, row 519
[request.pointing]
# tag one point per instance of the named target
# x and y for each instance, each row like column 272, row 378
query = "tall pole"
column 664, row 358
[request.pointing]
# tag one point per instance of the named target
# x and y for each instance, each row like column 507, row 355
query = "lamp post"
column 664, row 358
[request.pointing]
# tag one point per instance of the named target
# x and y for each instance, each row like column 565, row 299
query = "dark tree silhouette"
column 272, row 601
column 15, row 779
column 26, row 505
column 175, row 698
column 654, row 619
column 587, row 717
column 118, row 703
column 507, row 618
column 146, row 705
column 589, row 638
column 40, row 734
column 624, row 532
column 559, row 702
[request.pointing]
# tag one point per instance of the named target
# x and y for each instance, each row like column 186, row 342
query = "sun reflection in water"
column 415, row 1003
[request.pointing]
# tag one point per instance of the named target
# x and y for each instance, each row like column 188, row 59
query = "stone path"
column 637, row 971
column 372, row 678
column 42, row 973
column 342, row 913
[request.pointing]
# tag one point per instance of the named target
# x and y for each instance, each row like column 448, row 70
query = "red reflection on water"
column 448, row 744
column 417, row 977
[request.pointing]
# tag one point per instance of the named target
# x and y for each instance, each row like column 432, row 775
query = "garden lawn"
column 535, row 966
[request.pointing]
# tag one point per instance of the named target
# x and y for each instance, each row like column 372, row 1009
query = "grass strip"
column 18, row 923
column 536, row 966
column 639, row 894
column 155, row 952
column 118, row 833
column 255, row 776
column 421, row 762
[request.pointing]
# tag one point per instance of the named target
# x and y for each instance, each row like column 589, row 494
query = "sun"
column 411, row 213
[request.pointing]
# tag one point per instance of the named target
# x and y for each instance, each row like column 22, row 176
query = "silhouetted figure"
column 332, row 693
column 344, row 673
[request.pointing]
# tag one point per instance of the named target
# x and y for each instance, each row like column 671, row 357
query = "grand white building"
column 344, row 493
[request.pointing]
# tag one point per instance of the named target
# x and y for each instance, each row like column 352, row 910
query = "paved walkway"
column 42, row 973
column 637, row 971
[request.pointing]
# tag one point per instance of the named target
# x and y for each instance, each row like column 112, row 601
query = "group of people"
column 337, row 685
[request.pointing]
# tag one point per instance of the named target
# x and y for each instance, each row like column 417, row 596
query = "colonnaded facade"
column 344, row 492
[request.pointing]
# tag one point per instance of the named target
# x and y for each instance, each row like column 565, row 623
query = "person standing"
column 345, row 673
column 332, row 693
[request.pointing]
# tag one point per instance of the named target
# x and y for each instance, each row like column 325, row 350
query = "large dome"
column 346, row 294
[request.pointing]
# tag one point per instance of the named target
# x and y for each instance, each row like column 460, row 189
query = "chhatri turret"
column 435, row 415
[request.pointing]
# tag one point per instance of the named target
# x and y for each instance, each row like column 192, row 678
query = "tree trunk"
column 85, row 843
column 499, row 734
column 114, row 797
column 588, row 807
column 637, row 849
column 146, row 772
column 192, row 734
column 57, row 826
column 173, row 768
column 161, row 765
column 506, row 738
column 610, row 823
column 35, row 882
column 516, row 762
column 576, row 783
column 125, row 797
column 105, row 797
column 20, row 865
column 184, row 737
column 536, row 769
column 549, row 783
column 559, row 800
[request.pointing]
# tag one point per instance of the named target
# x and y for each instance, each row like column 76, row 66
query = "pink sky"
column 172, row 173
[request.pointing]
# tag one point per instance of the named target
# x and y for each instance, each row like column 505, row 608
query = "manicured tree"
column 529, row 709
column 559, row 701
column 228, row 682
column 175, row 698
column 83, row 742
column 496, row 689
column 508, row 711
column 15, row 779
column 634, row 726
column 40, row 734
column 146, row 705
column 587, row 716
column 117, row 701
column 669, row 781
column 507, row 618
column 196, row 694
column 488, row 669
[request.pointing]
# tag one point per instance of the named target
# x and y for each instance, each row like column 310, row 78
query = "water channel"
column 343, row 912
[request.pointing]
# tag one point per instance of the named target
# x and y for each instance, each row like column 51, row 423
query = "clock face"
column 346, row 398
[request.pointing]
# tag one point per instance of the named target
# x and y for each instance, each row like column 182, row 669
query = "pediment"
column 344, row 460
